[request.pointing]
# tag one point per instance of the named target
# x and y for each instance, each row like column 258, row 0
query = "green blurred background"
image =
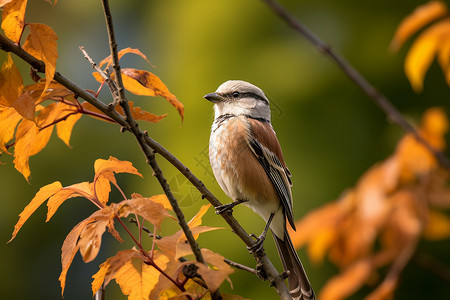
column 329, row 130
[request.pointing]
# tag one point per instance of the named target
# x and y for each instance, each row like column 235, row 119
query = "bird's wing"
column 265, row 147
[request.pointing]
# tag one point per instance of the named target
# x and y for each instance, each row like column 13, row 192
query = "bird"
column 248, row 164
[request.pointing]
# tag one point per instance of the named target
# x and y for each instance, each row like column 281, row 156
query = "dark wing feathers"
column 278, row 175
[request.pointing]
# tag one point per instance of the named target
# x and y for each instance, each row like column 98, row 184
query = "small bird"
column 248, row 164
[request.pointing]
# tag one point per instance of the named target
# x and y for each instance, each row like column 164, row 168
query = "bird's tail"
column 299, row 285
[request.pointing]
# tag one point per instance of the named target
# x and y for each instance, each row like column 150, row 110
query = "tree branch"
column 385, row 105
column 261, row 258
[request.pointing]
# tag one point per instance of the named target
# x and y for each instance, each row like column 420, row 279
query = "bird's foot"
column 258, row 245
column 228, row 208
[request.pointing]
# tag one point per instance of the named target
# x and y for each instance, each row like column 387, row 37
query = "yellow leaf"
column 9, row 118
column 422, row 53
column 214, row 277
column 438, row 226
column 64, row 128
column 421, row 16
column 197, row 219
column 137, row 279
column 144, row 83
column 41, row 43
column 10, row 82
column 29, row 141
column 444, row 57
column 109, row 268
column 44, row 193
column 91, row 238
column 13, row 19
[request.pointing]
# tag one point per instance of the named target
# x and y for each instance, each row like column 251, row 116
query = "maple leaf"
column 214, row 277
column 135, row 278
column 41, row 43
column 144, row 83
column 43, row 194
column 104, row 174
column 13, row 17
column 10, row 82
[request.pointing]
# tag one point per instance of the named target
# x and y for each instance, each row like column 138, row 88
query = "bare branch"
column 240, row 266
column 385, row 105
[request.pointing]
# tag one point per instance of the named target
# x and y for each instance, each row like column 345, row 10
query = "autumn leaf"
column 3, row 2
column 104, row 174
column 9, row 118
column 151, row 211
column 30, row 140
column 142, row 82
column 10, row 82
column 141, row 115
column 41, row 43
column 108, row 60
column 423, row 51
column 135, row 278
column 420, row 17
column 343, row 285
column 71, row 244
column 43, row 194
column 13, row 17
column 25, row 106
column 214, row 277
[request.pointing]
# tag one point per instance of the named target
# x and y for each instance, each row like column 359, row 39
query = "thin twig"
column 133, row 127
column 261, row 258
column 240, row 266
column 386, row 106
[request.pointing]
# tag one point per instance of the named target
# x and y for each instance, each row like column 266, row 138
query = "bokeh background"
column 329, row 130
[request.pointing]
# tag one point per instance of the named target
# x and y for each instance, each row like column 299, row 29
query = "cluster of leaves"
column 433, row 41
column 163, row 272
column 28, row 113
column 379, row 222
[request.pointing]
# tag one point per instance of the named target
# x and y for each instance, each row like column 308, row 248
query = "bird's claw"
column 258, row 245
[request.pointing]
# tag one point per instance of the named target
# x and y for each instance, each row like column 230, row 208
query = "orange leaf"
column 151, row 211
column 8, row 122
column 71, row 245
column 13, row 19
column 139, row 114
column 214, row 277
column 421, row 16
column 444, row 58
column 43, row 194
column 343, row 285
column 82, row 189
column 141, row 82
column 41, row 43
column 422, row 52
column 64, row 128
column 3, row 2
column 29, row 141
column 90, row 238
column 10, row 82
column 121, row 53
column 25, row 106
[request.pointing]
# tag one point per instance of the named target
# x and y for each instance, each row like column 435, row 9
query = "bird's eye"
column 235, row 94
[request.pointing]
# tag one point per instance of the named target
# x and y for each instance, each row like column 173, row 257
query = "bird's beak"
column 213, row 97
